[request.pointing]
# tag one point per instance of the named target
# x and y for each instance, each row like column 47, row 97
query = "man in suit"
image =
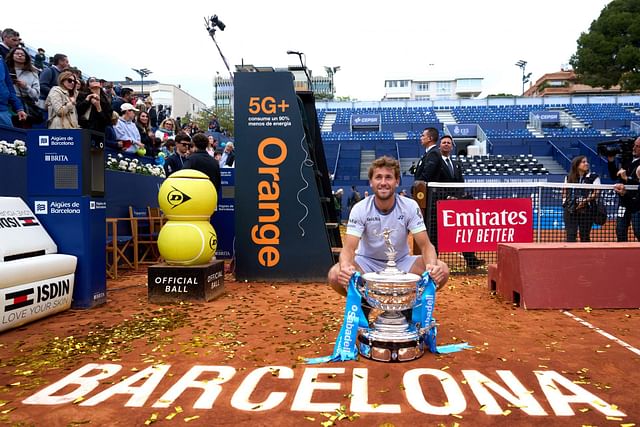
column 429, row 169
column 629, row 210
column 452, row 172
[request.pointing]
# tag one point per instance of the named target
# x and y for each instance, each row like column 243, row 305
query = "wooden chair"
column 121, row 249
column 146, row 236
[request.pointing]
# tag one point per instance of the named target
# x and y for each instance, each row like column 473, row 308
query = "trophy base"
column 397, row 349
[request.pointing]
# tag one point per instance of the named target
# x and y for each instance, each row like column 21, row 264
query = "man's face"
column 183, row 147
column 12, row 42
column 636, row 148
column 425, row 139
column 128, row 97
column 64, row 63
column 446, row 145
column 383, row 182
column 129, row 115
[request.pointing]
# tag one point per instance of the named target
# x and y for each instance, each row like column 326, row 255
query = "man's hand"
column 619, row 188
column 622, row 174
column 346, row 271
column 22, row 115
column 439, row 273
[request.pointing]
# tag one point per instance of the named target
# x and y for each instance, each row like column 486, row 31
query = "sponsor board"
column 168, row 283
column 20, row 230
column 31, row 301
column 479, row 225
column 544, row 393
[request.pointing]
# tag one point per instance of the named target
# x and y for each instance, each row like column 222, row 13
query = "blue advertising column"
column 281, row 233
column 65, row 184
column 223, row 220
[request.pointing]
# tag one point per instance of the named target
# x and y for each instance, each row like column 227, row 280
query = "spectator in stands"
column 214, row 124
column 354, row 198
column 25, row 83
column 94, row 108
column 213, row 145
column 428, row 170
column 61, row 103
column 107, row 87
column 217, row 155
column 337, row 199
column 8, row 97
column 146, row 135
column 153, row 113
column 127, row 133
column 364, row 248
column 228, row 156
column 451, row 171
column 629, row 210
column 366, row 193
column 40, row 59
column 10, row 39
column 166, row 130
column 579, row 204
column 175, row 162
column 201, row 161
column 49, row 76
column 125, row 97
column 110, row 139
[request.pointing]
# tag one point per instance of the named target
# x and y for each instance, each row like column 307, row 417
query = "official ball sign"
column 479, row 225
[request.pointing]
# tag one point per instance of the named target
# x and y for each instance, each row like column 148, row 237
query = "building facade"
column 169, row 96
column 427, row 90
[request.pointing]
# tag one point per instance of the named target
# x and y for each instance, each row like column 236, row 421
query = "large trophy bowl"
column 391, row 338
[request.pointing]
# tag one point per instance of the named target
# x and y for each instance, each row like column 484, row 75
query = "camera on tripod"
column 215, row 22
column 622, row 147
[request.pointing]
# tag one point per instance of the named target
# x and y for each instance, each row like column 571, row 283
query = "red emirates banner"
column 479, row 225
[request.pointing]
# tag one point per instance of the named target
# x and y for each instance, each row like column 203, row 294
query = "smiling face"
column 383, row 182
column 446, row 145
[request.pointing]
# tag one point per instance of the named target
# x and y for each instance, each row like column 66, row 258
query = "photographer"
column 629, row 206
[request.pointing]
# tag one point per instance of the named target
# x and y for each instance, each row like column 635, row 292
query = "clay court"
column 525, row 367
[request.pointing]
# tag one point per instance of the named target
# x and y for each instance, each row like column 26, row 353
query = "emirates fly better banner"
column 479, row 225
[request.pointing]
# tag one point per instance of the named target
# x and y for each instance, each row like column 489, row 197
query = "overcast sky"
column 370, row 40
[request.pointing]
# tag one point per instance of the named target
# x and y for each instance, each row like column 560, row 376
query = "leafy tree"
column 609, row 54
column 225, row 118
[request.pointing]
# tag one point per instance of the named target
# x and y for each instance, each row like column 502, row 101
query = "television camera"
column 620, row 147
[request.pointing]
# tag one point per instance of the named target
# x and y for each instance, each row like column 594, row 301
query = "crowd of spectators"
column 37, row 92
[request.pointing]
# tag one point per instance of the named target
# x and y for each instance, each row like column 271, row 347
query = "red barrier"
column 568, row 275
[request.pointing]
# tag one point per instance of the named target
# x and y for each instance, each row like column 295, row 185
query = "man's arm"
column 347, row 259
column 438, row 270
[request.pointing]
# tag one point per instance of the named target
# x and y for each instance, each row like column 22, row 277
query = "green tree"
column 609, row 54
column 225, row 118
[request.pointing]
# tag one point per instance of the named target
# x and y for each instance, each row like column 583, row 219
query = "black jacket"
column 430, row 166
column 447, row 176
column 174, row 163
column 631, row 199
column 203, row 162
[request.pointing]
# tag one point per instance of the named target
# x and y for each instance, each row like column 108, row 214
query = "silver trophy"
column 390, row 337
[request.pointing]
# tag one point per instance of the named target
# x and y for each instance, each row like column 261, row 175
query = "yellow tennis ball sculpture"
column 188, row 199
column 188, row 195
column 187, row 242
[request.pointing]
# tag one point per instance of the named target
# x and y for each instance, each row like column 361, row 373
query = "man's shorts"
column 371, row 265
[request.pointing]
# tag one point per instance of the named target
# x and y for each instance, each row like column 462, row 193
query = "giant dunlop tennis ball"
column 188, row 195
column 187, row 242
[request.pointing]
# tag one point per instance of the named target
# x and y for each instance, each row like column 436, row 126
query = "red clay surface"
column 257, row 325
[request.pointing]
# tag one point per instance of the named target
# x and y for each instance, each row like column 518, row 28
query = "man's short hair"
column 58, row 57
column 385, row 162
column 433, row 133
column 10, row 32
column 449, row 137
column 201, row 141
column 182, row 136
column 125, row 91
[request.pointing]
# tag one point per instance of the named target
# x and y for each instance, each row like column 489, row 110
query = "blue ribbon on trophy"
column 422, row 317
column 354, row 318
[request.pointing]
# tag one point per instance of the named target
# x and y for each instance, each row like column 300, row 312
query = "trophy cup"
column 391, row 338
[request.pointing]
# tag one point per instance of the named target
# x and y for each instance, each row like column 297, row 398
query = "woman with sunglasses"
column 94, row 109
column 61, row 103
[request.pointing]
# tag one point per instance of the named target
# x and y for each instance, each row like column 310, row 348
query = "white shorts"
column 371, row 265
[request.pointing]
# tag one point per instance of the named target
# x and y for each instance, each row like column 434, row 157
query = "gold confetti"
column 583, row 410
column 457, row 416
column 6, row 411
column 628, row 425
column 506, row 412
column 195, row 417
column 152, row 419
column 78, row 400
column 309, row 418
column 614, row 419
column 171, row 416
